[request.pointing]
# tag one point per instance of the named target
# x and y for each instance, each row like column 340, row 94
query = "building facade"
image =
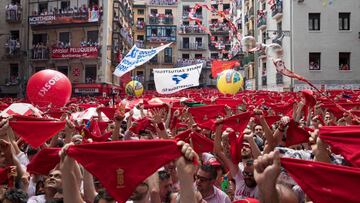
column 13, row 40
column 83, row 39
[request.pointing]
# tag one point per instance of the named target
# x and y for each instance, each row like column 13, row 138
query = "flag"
column 219, row 66
column 171, row 80
column 136, row 57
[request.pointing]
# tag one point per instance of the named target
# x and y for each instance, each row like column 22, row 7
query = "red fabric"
column 36, row 133
column 108, row 111
column 55, row 114
column 121, row 166
column 235, row 147
column 95, row 133
column 269, row 119
column 247, row 200
column 324, row 182
column 44, row 161
column 142, row 124
column 204, row 113
column 4, row 172
column 86, row 106
column 344, row 140
column 184, row 136
column 201, row 143
column 296, row 135
column 238, row 122
column 282, row 108
column 29, row 118
column 233, row 103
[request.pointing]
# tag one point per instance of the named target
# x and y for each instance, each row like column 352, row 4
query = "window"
column 225, row 55
column 140, row 37
column 185, row 56
column 168, row 12
column 63, row 70
column 264, row 36
column 15, row 34
column 186, row 23
column 264, row 71
column 37, row 69
column 43, row 7
column 168, row 55
column 39, row 39
column 344, row 61
column 90, row 74
column 314, row 61
column 198, row 42
column 214, row 56
column 186, row 11
column 279, row 26
column 64, row 37
column 214, row 21
column 92, row 36
column 140, row 11
column 264, row 6
column 314, row 21
column 153, row 12
column 215, row 6
column 65, row 5
column 186, row 43
column 14, row 71
column 198, row 56
column 344, row 21
column 226, row 6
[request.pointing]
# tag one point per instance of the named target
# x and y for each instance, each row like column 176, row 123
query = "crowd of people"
column 196, row 146
column 13, row 11
column 68, row 10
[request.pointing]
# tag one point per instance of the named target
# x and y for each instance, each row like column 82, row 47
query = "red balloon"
column 49, row 86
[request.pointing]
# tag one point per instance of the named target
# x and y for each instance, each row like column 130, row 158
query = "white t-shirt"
column 218, row 197
column 37, row 199
column 242, row 191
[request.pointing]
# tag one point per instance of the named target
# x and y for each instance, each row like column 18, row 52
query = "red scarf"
column 44, row 161
column 344, row 140
column 121, row 166
column 36, row 133
column 296, row 135
column 201, row 143
column 236, row 144
column 324, row 182
column 204, row 113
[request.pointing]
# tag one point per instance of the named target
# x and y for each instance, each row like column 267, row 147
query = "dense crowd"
column 196, row 146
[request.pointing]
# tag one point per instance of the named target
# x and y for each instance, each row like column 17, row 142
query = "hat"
column 213, row 162
column 247, row 200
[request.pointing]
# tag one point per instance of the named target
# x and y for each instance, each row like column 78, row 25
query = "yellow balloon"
column 230, row 82
column 134, row 88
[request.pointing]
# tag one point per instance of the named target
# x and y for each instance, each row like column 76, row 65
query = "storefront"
column 95, row 89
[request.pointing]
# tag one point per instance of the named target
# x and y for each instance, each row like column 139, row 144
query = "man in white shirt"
column 53, row 188
column 205, row 180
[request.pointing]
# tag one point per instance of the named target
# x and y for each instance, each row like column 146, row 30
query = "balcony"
column 168, row 20
column 188, row 62
column 219, row 28
column 279, row 79
column 261, row 23
column 264, row 80
column 125, row 34
column 161, row 39
column 13, row 14
column 163, row 2
column 140, row 25
column 192, row 47
column 140, row 43
column 72, row 17
column 191, row 29
column 277, row 9
column 40, row 53
column 154, row 20
column 185, row 15
column 12, row 48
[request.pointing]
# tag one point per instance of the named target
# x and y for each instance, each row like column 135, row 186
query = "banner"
column 75, row 52
column 219, row 66
column 170, row 80
column 136, row 57
column 78, row 17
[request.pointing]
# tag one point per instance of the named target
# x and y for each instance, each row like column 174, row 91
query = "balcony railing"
column 40, row 53
column 277, row 9
column 13, row 14
column 192, row 46
column 163, row 2
column 154, row 20
column 12, row 48
column 191, row 29
column 168, row 20
column 188, row 62
column 219, row 27
column 159, row 39
column 140, row 43
column 279, row 79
